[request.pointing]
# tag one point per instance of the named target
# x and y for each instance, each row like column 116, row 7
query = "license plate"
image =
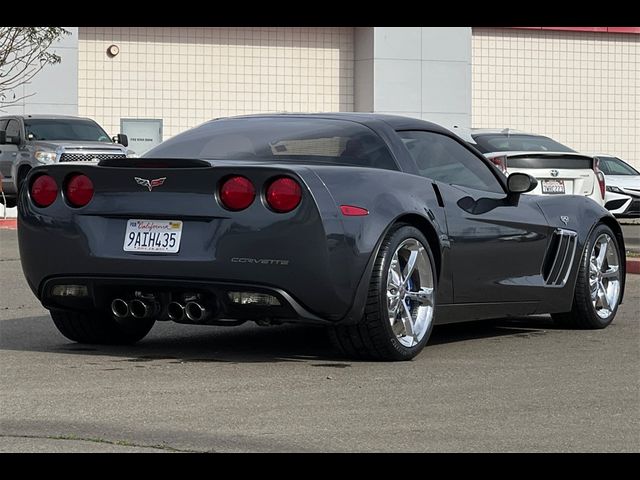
column 152, row 236
column 552, row 186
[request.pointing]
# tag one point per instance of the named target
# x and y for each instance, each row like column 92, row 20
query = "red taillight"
column 599, row 176
column 500, row 162
column 237, row 193
column 79, row 190
column 351, row 211
column 284, row 194
column 44, row 191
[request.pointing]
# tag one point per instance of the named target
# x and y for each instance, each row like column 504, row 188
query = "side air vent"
column 560, row 256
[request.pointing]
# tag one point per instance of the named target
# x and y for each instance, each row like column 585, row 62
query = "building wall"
column 581, row 88
column 55, row 88
column 422, row 72
column 186, row 76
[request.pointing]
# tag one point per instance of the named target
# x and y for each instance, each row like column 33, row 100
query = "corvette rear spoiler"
column 153, row 163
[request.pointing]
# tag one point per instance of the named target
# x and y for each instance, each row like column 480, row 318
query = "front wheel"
column 599, row 284
column 399, row 314
column 100, row 328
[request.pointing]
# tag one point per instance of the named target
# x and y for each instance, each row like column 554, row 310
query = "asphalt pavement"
column 506, row 385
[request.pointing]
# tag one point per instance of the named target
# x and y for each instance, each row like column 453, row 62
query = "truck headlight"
column 45, row 157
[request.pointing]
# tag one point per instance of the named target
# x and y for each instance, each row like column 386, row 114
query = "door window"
column 13, row 129
column 441, row 158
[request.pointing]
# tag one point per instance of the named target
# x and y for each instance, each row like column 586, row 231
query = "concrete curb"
column 8, row 223
column 633, row 265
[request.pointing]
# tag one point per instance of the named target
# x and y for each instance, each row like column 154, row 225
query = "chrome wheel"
column 604, row 276
column 410, row 292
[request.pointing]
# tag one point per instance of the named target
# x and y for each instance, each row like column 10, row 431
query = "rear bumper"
column 102, row 290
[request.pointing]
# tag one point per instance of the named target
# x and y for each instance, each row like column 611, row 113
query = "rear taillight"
column 79, row 190
column 599, row 176
column 44, row 190
column 237, row 193
column 284, row 194
column 500, row 162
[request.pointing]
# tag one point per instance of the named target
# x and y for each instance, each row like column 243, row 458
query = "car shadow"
column 247, row 343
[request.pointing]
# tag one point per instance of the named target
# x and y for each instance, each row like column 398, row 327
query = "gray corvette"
column 376, row 226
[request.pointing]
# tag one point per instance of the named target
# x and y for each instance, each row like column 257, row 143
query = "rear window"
column 500, row 142
column 272, row 139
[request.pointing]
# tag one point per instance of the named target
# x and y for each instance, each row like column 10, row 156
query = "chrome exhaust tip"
column 195, row 312
column 119, row 308
column 139, row 309
column 175, row 311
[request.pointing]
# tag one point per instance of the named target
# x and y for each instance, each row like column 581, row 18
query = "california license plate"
column 152, row 236
column 552, row 186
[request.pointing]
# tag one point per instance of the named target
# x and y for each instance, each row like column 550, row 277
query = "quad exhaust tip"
column 175, row 311
column 119, row 308
column 195, row 312
column 140, row 309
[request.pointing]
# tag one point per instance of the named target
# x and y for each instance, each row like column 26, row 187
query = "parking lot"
column 504, row 385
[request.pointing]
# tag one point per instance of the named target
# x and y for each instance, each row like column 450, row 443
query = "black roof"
column 396, row 122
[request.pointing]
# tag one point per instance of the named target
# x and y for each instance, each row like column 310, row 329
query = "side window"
column 3, row 124
column 13, row 128
column 443, row 159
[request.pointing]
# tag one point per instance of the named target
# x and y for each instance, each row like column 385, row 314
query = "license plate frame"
column 553, row 187
column 152, row 236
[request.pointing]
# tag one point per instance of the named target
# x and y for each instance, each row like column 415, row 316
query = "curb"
column 8, row 223
column 633, row 265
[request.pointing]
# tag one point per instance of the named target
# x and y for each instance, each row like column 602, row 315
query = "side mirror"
column 4, row 140
column 122, row 139
column 521, row 183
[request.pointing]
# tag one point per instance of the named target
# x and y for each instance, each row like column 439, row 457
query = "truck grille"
column 88, row 157
column 560, row 256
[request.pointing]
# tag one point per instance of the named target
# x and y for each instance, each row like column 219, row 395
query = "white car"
column 623, row 186
column 558, row 169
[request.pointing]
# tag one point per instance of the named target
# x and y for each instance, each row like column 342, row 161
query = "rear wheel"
column 599, row 284
column 100, row 328
column 399, row 313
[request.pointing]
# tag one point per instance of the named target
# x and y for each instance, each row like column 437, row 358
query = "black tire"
column 100, row 328
column 583, row 313
column 372, row 338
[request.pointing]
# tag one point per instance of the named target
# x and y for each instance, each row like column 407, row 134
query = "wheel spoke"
column 602, row 253
column 407, row 321
column 602, row 296
column 410, row 266
column 611, row 273
column 424, row 296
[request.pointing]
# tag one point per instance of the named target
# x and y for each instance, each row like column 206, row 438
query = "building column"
column 422, row 72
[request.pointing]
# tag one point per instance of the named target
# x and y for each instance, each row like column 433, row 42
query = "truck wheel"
column 100, row 328
column 599, row 284
column 400, row 308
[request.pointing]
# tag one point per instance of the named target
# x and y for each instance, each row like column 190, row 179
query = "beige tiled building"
column 580, row 88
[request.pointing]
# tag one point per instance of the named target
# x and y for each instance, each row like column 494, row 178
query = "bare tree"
column 24, row 51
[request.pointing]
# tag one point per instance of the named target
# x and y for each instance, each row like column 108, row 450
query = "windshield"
column 501, row 142
column 65, row 129
column 280, row 139
column 615, row 166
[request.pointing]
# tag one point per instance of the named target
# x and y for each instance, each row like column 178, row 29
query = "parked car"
column 375, row 226
column 558, row 168
column 27, row 141
column 623, row 186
